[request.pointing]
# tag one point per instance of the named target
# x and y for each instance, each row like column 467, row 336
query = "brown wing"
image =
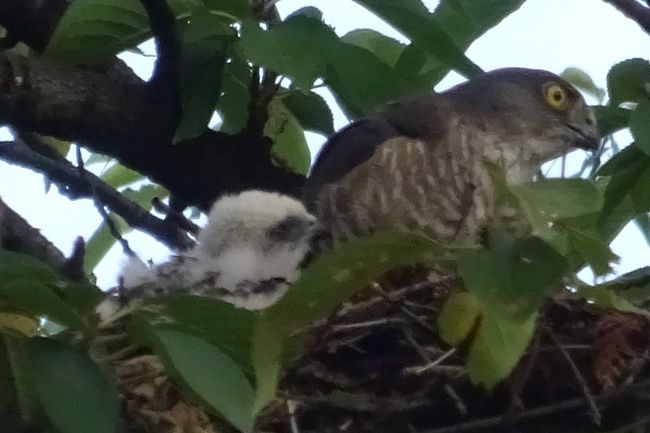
column 356, row 143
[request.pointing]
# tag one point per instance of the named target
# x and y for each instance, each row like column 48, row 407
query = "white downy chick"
column 252, row 246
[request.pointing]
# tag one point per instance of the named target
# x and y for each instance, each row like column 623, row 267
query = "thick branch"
column 78, row 183
column 633, row 10
column 17, row 235
column 31, row 21
column 131, row 123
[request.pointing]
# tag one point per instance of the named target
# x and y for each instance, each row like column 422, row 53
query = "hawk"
column 253, row 246
column 419, row 164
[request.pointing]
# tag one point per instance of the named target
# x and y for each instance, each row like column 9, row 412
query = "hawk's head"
column 533, row 104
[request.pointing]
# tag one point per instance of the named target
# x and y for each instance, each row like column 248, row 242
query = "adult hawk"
column 419, row 164
column 253, row 246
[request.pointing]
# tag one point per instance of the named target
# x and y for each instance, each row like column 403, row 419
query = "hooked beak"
column 584, row 140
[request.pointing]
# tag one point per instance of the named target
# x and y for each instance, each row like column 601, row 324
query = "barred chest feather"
column 442, row 188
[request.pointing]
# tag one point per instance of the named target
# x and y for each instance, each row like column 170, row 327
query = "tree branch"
column 633, row 10
column 130, row 122
column 167, row 72
column 32, row 21
column 17, row 235
column 88, row 185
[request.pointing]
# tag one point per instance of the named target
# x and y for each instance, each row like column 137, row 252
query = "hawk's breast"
column 410, row 184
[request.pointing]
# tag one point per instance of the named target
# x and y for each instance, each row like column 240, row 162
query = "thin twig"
column 460, row 405
column 418, row 349
column 66, row 175
column 367, row 324
column 112, row 227
column 431, row 365
column 291, row 408
column 595, row 413
column 416, row 319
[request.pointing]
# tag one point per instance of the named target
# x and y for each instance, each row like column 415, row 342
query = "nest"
column 378, row 365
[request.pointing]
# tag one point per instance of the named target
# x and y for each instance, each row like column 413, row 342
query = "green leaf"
column 118, row 176
column 636, row 277
column 203, row 47
column 337, row 274
column 61, row 147
column 300, row 47
column 309, row 11
column 289, row 143
column 234, row 9
column 92, row 31
column 29, row 285
column 584, row 82
column 611, row 119
column 216, row 321
column 225, row 390
column 267, row 351
column 361, row 82
column 311, row 111
column 640, row 126
column 547, row 200
column 606, row 298
column 385, row 48
column 588, row 244
column 625, row 158
column 16, row 265
column 75, row 395
column 101, row 241
column 626, row 190
column 467, row 20
column 560, row 198
column 235, row 98
column 642, row 223
column 37, row 298
column 514, row 276
column 413, row 19
column 458, row 318
column 627, row 81
column 497, row 348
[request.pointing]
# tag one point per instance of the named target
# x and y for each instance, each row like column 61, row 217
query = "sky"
column 545, row 34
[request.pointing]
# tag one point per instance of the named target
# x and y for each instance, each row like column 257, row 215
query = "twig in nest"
column 367, row 324
column 291, row 408
column 423, row 324
column 430, row 366
column 595, row 413
column 416, row 346
column 451, row 392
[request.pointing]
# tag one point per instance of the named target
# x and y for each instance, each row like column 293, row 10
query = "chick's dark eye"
column 288, row 230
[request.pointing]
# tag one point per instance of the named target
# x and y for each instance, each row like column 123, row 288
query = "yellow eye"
column 556, row 96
